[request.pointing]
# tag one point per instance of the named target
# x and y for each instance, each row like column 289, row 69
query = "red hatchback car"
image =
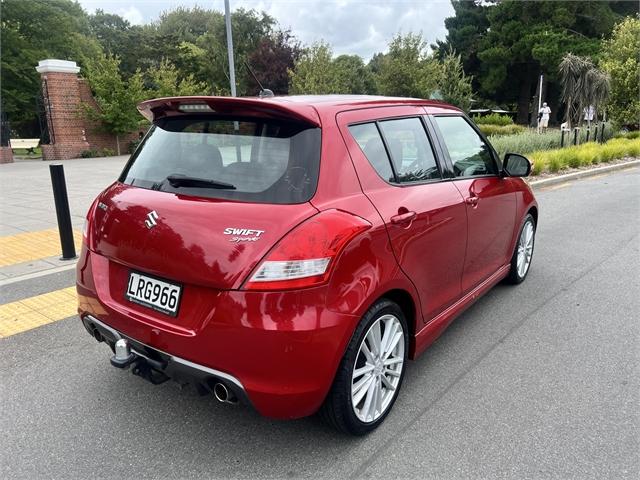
column 293, row 253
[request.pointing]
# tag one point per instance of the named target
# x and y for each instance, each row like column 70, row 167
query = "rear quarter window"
column 370, row 142
column 264, row 161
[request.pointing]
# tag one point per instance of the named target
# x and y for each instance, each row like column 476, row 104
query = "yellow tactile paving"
column 23, row 315
column 25, row 247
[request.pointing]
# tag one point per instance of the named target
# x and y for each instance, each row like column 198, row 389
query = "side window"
column 369, row 140
column 469, row 153
column 411, row 152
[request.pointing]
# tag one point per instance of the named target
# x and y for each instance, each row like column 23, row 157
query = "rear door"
column 490, row 199
column 424, row 213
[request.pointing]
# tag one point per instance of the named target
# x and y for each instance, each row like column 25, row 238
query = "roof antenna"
column 264, row 92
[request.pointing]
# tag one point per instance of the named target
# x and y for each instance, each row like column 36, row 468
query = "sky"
column 350, row 26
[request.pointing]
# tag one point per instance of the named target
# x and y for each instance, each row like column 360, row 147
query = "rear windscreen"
column 250, row 160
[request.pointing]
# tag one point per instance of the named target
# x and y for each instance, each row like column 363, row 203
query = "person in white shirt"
column 543, row 117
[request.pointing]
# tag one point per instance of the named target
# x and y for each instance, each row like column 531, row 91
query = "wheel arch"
column 407, row 304
column 533, row 210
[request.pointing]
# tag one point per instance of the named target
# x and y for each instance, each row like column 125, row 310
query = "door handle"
column 403, row 218
column 473, row 201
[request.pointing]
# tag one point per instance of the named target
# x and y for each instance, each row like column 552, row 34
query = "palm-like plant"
column 583, row 85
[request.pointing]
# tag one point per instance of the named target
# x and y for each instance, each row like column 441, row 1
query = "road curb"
column 582, row 174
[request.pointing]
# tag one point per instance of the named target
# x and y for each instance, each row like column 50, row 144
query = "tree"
column 375, row 64
column 118, row 37
column 165, row 81
column 249, row 28
column 464, row 31
column 353, row 76
column 454, row 86
column 271, row 61
column 506, row 44
column 317, row 72
column 620, row 60
column 314, row 72
column 33, row 31
column 176, row 35
column 116, row 98
column 583, row 85
column 406, row 70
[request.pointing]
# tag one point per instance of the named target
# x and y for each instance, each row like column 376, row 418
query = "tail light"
column 88, row 221
column 306, row 255
column 85, row 231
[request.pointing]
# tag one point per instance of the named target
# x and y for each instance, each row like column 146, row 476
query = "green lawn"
column 23, row 152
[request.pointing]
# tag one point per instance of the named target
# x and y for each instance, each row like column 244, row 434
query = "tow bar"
column 123, row 357
column 146, row 368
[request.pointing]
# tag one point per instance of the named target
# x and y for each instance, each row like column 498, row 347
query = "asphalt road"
column 535, row 381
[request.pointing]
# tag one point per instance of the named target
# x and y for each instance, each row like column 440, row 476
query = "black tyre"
column 523, row 253
column 370, row 374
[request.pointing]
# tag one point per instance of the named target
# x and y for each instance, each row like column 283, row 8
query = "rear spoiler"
column 273, row 108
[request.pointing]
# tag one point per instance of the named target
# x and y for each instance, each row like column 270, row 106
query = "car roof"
column 324, row 101
column 309, row 108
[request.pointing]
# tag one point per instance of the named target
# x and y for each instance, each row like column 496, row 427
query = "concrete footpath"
column 29, row 239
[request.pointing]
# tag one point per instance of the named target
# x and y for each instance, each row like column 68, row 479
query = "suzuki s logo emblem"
column 151, row 220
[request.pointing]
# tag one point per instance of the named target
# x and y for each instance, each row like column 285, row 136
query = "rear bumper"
column 173, row 367
column 277, row 351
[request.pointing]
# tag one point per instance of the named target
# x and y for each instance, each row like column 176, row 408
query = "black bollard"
column 575, row 136
column 602, row 134
column 588, row 133
column 62, row 211
column 561, row 138
column 595, row 134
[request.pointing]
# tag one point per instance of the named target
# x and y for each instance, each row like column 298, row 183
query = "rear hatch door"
column 193, row 240
column 206, row 195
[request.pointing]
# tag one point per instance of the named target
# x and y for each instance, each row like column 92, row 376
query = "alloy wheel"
column 525, row 249
column 378, row 368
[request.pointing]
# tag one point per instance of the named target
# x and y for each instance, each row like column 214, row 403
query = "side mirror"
column 515, row 165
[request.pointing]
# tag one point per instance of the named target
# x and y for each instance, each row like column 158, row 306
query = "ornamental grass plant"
column 590, row 153
column 530, row 140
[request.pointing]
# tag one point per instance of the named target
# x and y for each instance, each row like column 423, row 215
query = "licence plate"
column 154, row 293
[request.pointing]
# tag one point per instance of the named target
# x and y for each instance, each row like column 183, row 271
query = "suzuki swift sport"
column 293, row 253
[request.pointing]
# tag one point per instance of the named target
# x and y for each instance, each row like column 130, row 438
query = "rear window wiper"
column 177, row 180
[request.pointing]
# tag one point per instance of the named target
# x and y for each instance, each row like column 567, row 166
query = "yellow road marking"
column 23, row 315
column 28, row 246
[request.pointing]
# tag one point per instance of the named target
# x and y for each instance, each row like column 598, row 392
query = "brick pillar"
column 6, row 155
column 63, row 109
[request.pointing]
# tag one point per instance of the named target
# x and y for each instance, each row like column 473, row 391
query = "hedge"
column 493, row 119
column 498, row 130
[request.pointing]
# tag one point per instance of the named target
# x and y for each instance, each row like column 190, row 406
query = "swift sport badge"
column 243, row 234
column 151, row 220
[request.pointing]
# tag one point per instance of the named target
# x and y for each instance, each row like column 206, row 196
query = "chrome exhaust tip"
column 223, row 394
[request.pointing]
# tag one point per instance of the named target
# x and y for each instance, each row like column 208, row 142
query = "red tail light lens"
column 305, row 256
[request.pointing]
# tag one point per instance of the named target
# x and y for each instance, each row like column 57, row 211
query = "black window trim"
column 444, row 172
column 445, row 150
